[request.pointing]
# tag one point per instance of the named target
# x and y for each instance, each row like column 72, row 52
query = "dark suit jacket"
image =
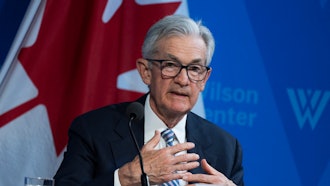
column 99, row 143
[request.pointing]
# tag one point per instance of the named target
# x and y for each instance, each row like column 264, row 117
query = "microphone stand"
column 144, row 176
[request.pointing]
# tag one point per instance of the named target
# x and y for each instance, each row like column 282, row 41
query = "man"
column 176, row 54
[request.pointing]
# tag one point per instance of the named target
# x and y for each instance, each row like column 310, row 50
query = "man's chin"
column 179, row 108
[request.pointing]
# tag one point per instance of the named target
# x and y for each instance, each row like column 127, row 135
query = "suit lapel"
column 123, row 147
column 197, row 133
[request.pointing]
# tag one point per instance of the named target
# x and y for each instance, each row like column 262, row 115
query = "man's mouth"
column 179, row 93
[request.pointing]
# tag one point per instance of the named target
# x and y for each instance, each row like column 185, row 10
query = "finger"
column 208, row 168
column 181, row 147
column 184, row 158
column 152, row 143
column 175, row 176
column 198, row 178
column 212, row 177
column 185, row 166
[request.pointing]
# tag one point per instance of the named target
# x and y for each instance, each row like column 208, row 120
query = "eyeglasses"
column 171, row 69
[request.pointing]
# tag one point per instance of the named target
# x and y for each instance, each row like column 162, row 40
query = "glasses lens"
column 170, row 68
column 196, row 72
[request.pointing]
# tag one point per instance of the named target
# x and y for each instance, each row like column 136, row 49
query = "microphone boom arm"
column 144, row 176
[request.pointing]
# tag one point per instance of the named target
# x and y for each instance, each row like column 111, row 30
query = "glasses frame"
column 181, row 67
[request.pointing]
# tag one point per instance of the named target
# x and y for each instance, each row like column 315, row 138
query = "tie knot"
column 168, row 135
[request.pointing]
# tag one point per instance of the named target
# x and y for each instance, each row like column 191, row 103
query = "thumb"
column 208, row 168
column 153, row 142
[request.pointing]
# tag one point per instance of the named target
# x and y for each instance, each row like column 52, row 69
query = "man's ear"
column 144, row 70
column 203, row 83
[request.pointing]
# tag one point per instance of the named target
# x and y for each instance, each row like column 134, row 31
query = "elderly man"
column 176, row 54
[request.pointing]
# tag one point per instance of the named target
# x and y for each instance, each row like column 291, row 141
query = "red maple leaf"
column 76, row 58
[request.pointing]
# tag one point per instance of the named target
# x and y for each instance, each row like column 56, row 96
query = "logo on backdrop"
column 309, row 111
column 308, row 105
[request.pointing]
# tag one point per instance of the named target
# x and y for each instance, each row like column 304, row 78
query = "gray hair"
column 177, row 25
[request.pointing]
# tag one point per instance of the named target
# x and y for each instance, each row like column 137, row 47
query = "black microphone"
column 135, row 111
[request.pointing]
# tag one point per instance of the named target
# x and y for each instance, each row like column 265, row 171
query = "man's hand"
column 213, row 177
column 160, row 165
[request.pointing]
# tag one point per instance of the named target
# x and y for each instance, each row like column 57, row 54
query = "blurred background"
column 269, row 87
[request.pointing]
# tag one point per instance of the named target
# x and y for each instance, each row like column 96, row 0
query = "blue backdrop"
column 270, row 85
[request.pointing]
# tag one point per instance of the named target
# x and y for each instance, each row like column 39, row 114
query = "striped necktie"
column 168, row 135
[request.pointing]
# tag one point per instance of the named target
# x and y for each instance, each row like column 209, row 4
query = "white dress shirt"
column 153, row 123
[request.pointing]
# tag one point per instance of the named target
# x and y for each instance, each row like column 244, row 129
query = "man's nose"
column 182, row 78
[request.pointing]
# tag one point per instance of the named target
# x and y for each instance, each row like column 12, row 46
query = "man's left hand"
column 213, row 177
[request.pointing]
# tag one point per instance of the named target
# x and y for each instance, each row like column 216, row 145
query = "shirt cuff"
column 116, row 179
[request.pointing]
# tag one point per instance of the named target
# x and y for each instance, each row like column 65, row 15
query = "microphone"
column 135, row 111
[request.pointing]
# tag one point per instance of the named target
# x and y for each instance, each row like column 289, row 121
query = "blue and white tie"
column 168, row 135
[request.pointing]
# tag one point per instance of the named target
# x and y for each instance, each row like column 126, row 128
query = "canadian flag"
column 76, row 56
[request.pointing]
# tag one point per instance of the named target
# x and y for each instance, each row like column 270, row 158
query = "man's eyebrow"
column 197, row 61
column 174, row 58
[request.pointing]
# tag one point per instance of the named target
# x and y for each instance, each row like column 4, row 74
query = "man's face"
column 175, row 96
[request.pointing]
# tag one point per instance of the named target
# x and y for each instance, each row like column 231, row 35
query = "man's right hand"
column 161, row 165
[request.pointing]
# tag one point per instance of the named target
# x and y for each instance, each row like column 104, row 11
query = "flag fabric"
column 77, row 56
